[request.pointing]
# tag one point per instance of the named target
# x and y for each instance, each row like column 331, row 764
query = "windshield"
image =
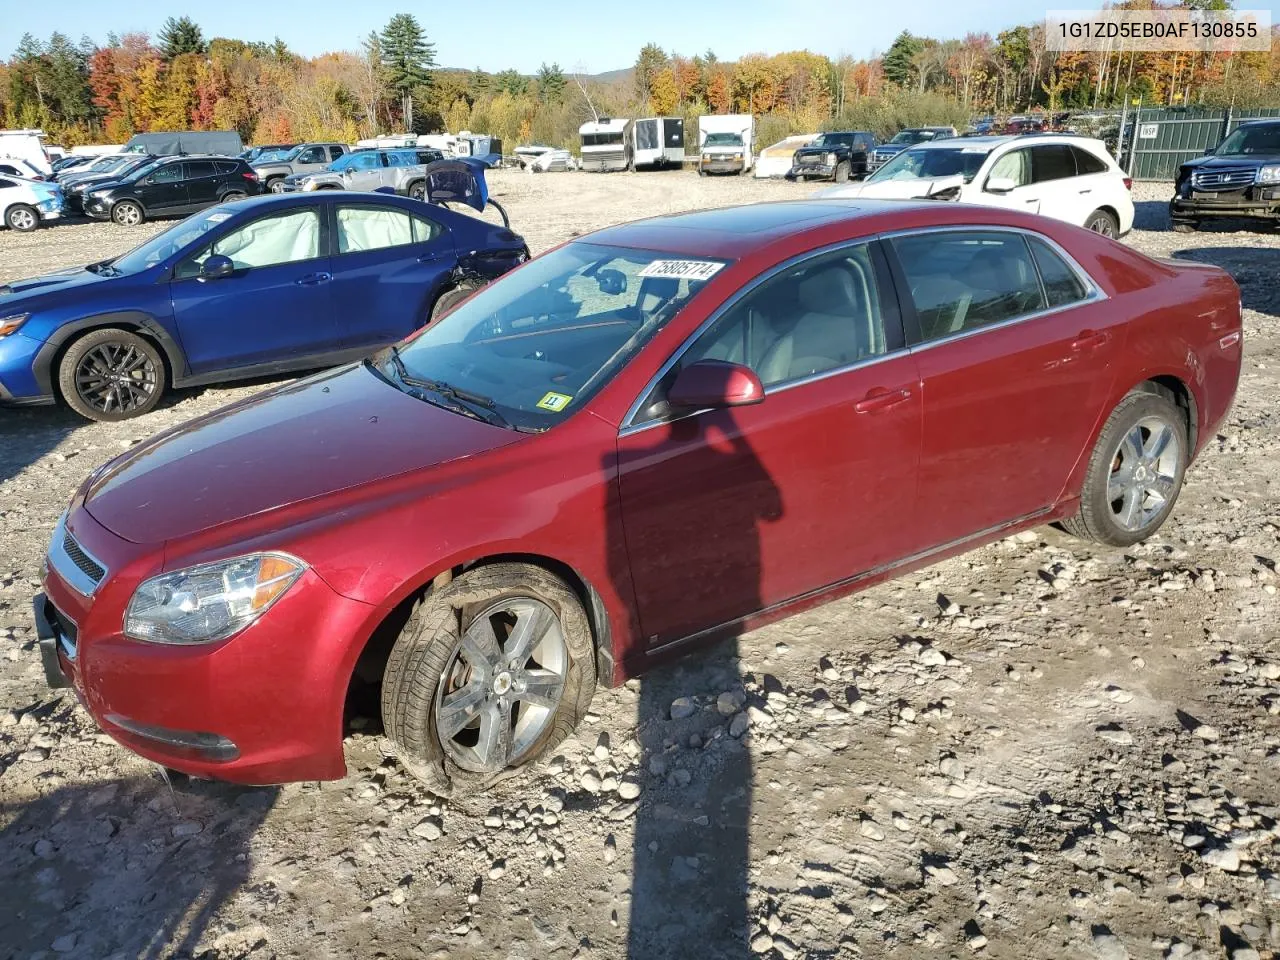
column 722, row 140
column 541, row 341
column 908, row 136
column 1260, row 139
column 166, row 244
column 833, row 139
column 284, row 154
column 930, row 163
column 350, row 159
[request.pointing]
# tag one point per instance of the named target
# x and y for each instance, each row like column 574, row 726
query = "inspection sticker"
column 218, row 217
column 555, row 402
column 682, row 269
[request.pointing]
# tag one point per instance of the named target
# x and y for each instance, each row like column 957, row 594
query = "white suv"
column 1057, row 175
column 24, row 203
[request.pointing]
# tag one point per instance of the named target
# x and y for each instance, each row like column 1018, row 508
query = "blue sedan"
column 250, row 288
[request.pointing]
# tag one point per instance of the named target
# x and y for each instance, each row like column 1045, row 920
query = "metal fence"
column 1156, row 140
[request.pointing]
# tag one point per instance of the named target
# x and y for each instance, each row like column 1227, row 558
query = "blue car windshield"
column 347, row 160
column 530, row 348
column 165, row 244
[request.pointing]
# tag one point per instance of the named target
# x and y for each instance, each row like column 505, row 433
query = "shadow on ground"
column 125, row 867
column 1256, row 270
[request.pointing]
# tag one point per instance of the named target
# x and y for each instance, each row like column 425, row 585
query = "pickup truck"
column 1240, row 178
column 304, row 158
column 903, row 139
column 367, row 170
column 834, row 156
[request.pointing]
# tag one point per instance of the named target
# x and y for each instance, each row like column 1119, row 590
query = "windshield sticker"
column 218, row 217
column 682, row 269
column 974, row 149
column 555, row 402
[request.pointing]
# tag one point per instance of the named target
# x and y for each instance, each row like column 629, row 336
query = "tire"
column 233, row 195
column 273, row 185
column 450, row 299
column 127, row 213
column 418, row 190
column 22, row 218
column 111, row 374
column 1116, row 507
column 1186, row 226
column 1103, row 222
column 701, row 172
column 429, row 671
column 842, row 172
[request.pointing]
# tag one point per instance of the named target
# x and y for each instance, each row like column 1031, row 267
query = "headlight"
column 706, row 156
column 831, row 158
column 10, row 324
column 1269, row 174
column 209, row 602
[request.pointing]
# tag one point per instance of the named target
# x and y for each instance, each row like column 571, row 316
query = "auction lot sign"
column 1177, row 28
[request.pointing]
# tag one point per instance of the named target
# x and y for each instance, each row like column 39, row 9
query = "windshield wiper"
column 465, row 400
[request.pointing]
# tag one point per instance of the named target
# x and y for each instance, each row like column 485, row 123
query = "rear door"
column 203, row 182
column 387, row 263
column 164, row 190
column 277, row 306
column 1053, row 168
column 1015, row 349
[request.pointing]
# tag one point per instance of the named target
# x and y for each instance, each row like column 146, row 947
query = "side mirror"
column 612, row 282
column 715, row 384
column 348, row 173
column 147, row 181
column 1209, row 150
column 1000, row 185
column 216, row 266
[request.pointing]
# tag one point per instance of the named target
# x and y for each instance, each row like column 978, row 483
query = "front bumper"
column 96, row 208
column 722, row 165
column 1200, row 206
column 807, row 169
column 265, row 706
column 18, row 383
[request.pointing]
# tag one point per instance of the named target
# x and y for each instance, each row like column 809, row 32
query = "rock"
column 601, row 751
column 658, row 766
column 977, row 941
column 907, row 714
column 1109, row 947
column 628, row 789
column 591, row 782
column 739, row 724
column 429, row 829
column 729, row 702
column 1206, row 732
column 188, row 828
column 681, row 777
column 944, row 875
column 43, row 849
column 498, row 870
column 1114, row 734
column 610, row 849
column 64, row 944
column 877, row 904
column 1224, row 858
column 869, row 830
column 951, row 767
column 683, row 708
column 785, row 948
column 761, row 943
column 932, row 657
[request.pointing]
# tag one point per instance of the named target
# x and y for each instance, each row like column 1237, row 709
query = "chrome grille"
column 85, row 563
column 1222, row 179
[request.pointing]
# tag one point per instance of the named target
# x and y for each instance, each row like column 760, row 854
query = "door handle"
column 428, row 257
column 1089, row 340
column 1083, row 192
column 311, row 279
column 878, row 398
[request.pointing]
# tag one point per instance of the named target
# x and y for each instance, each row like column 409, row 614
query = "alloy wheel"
column 1104, row 226
column 502, row 685
column 1144, row 473
column 128, row 215
column 116, row 378
column 22, row 219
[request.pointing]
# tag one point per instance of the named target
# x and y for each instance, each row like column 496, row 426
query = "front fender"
column 136, row 320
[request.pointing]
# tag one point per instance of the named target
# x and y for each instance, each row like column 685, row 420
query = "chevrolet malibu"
column 651, row 437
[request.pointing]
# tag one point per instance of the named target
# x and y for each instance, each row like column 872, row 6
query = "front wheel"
column 1185, row 226
column 842, row 172
column 22, row 218
column 488, row 675
column 111, row 375
column 418, row 190
column 1135, row 472
column 127, row 213
column 1100, row 221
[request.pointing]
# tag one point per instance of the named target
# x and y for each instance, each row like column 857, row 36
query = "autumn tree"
column 651, row 60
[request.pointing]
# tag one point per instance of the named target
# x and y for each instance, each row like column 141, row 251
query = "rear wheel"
column 111, row 374
column 418, row 190
column 1186, row 226
column 127, row 213
column 22, row 218
column 1100, row 221
column 1135, row 472
column 842, row 171
column 232, row 195
column 489, row 674
column 275, row 184
column 450, row 299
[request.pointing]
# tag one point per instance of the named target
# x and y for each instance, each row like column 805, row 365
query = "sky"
column 590, row 35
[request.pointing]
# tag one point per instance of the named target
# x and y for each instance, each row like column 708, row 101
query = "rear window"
column 226, row 167
column 1087, row 163
column 1061, row 284
column 200, row 168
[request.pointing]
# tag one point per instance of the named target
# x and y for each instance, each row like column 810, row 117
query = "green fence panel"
column 1164, row 138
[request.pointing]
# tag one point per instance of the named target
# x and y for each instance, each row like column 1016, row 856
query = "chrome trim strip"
column 65, row 567
column 865, row 575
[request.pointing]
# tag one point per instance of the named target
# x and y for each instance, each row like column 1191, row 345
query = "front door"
column 365, row 172
column 1014, row 348
column 164, row 190
column 1014, row 166
column 727, row 512
column 386, row 263
column 276, row 307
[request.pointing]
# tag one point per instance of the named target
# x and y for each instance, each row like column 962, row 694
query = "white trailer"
column 725, row 142
column 657, row 142
column 26, row 145
column 606, row 144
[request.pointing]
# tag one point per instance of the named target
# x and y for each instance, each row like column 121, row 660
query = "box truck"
column 725, row 143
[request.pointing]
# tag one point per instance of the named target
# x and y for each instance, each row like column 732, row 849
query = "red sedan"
column 648, row 438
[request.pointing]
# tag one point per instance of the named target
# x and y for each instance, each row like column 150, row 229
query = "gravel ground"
column 1037, row 749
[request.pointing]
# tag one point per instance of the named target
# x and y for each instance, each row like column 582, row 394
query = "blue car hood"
column 16, row 291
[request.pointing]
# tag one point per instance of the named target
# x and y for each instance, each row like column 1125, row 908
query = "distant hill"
column 624, row 75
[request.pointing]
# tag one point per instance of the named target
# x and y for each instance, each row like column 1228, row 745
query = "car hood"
column 892, row 189
column 1232, row 162
column 888, row 148
column 331, row 432
column 273, row 167
column 23, row 292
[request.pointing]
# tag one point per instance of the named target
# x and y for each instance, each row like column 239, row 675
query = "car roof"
column 309, row 198
column 733, row 232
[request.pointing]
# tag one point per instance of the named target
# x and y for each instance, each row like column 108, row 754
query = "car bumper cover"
column 1188, row 208
column 18, row 383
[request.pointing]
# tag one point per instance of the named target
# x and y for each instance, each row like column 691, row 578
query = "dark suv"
column 834, row 156
column 173, row 187
column 1239, row 178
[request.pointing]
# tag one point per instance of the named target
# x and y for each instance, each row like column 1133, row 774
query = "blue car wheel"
column 111, row 374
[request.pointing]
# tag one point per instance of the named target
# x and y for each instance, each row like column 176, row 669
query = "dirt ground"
column 1040, row 749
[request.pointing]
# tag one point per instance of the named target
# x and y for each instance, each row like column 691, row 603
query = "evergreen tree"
column 512, row 82
column 551, row 83
column 408, row 58
column 650, row 61
column 897, row 64
column 180, row 36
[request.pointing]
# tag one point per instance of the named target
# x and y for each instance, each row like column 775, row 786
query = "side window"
column 226, row 167
column 5, row 184
column 964, row 280
column 335, row 152
column 1052, row 162
column 819, row 315
column 367, row 161
column 287, row 238
column 314, row 155
column 362, row 228
column 169, row 174
column 1087, row 163
column 200, row 168
column 1014, row 165
column 1062, row 285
